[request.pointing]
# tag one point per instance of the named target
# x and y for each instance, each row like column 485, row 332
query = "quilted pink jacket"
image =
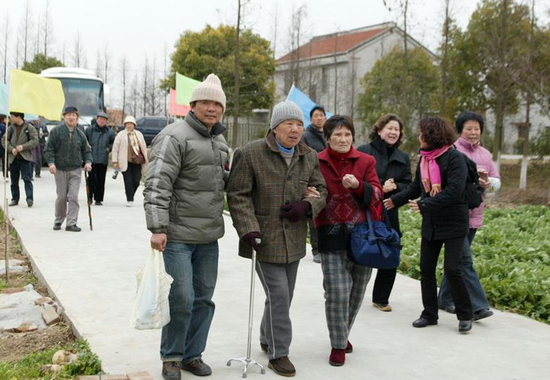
column 484, row 160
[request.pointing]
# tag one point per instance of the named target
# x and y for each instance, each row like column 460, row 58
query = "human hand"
column 88, row 167
column 349, row 181
column 14, row 151
column 52, row 168
column 389, row 186
column 311, row 192
column 485, row 184
column 158, row 241
column 115, row 165
column 413, row 204
column 19, row 148
column 253, row 239
column 295, row 212
column 388, row 204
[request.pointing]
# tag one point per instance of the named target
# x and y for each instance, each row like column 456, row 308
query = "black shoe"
column 197, row 367
column 264, row 347
column 464, row 326
column 449, row 309
column 171, row 370
column 423, row 322
column 482, row 314
column 57, row 226
column 282, row 366
column 37, row 175
column 13, row 203
column 30, row 202
column 74, row 228
column 98, row 203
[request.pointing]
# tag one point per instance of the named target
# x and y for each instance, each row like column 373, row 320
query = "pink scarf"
column 429, row 170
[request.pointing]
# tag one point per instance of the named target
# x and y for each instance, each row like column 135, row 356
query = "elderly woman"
column 393, row 168
column 352, row 186
column 440, row 182
column 130, row 157
column 469, row 126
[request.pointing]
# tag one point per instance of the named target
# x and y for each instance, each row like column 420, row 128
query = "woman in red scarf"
column 440, row 182
column 352, row 185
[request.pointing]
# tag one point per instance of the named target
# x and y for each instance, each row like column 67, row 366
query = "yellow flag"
column 32, row 94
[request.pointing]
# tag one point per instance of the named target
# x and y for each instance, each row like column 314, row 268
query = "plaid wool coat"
column 259, row 184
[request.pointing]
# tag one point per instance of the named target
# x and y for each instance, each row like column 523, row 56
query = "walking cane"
column 88, row 199
column 247, row 361
column 6, row 213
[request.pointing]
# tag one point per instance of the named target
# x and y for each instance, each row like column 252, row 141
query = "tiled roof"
column 333, row 43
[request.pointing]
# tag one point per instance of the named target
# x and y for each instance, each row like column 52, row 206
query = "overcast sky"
column 140, row 28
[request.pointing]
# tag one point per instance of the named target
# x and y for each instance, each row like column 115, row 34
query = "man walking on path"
column 314, row 138
column 22, row 139
column 66, row 152
column 266, row 190
column 101, row 140
column 184, row 196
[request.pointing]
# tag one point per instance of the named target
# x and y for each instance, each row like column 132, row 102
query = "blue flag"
column 304, row 102
column 4, row 99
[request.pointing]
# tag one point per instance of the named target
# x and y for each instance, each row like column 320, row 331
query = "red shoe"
column 337, row 357
column 349, row 348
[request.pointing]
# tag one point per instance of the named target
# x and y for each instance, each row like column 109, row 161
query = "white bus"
column 82, row 89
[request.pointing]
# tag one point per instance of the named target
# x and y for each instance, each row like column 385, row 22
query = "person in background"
column 38, row 155
column 130, row 157
column 440, row 182
column 352, row 186
column 22, row 139
column 66, row 152
column 265, row 193
column 3, row 125
column 314, row 138
column 469, row 126
column 101, row 138
column 393, row 167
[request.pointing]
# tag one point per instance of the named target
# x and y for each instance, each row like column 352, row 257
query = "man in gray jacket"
column 184, row 196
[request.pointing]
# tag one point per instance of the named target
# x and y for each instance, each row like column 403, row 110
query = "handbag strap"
column 384, row 212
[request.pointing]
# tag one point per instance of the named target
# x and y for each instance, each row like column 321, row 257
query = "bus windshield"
column 84, row 94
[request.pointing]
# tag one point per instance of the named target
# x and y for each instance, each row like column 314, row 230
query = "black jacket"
column 444, row 216
column 314, row 139
column 101, row 140
column 390, row 163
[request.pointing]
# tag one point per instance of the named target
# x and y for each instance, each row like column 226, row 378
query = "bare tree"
column 235, row 138
column 5, row 49
column 37, row 44
column 63, row 53
column 444, row 61
column 98, row 64
column 47, row 28
column 25, row 29
column 145, row 86
column 106, row 62
column 17, row 53
column 165, row 75
column 296, row 36
column 124, row 79
column 79, row 58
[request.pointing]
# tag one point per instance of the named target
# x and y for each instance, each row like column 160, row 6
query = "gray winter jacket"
column 184, row 185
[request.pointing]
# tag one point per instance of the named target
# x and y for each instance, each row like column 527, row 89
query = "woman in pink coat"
column 469, row 126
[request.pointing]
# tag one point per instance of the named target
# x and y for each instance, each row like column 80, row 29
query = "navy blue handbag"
column 375, row 244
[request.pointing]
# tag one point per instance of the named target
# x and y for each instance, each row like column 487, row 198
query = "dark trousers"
column 383, row 285
column 97, row 182
column 21, row 168
column 429, row 253
column 132, row 177
column 312, row 237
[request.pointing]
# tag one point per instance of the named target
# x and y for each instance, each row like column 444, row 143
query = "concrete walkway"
column 92, row 274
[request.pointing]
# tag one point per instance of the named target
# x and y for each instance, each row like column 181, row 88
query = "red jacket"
column 346, row 206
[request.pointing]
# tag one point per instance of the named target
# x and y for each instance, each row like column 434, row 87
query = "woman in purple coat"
column 469, row 126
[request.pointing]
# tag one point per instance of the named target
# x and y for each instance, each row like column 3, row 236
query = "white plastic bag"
column 152, row 309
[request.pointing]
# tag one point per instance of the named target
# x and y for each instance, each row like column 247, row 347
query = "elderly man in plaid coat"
column 266, row 189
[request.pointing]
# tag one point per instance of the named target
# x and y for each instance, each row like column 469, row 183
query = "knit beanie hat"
column 210, row 89
column 287, row 110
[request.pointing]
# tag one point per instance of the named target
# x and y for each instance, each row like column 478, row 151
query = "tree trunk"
column 235, row 141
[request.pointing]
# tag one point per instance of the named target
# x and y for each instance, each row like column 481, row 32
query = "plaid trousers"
column 345, row 284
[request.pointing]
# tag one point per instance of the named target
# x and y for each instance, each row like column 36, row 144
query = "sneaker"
column 56, row 226
column 482, row 314
column 171, row 370
column 317, row 258
column 13, row 203
column 74, row 228
column 337, row 357
column 98, row 203
column 197, row 367
column 382, row 306
column 349, row 348
column 282, row 366
column 30, row 202
column 129, row 204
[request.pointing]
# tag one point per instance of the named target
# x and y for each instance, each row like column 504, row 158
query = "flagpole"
column 289, row 91
column 6, row 203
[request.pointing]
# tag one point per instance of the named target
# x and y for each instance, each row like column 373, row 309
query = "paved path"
column 92, row 274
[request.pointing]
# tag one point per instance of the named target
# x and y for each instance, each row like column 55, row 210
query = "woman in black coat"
column 440, row 181
column 393, row 167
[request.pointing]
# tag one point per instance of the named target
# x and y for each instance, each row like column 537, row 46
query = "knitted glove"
column 296, row 212
column 250, row 239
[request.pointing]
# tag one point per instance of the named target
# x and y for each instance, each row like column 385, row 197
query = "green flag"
column 184, row 89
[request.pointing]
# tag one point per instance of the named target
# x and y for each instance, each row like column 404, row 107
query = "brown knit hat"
column 210, row 89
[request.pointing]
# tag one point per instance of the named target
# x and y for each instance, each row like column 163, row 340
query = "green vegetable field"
column 511, row 255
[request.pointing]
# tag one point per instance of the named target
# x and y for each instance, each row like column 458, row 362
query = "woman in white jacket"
column 130, row 157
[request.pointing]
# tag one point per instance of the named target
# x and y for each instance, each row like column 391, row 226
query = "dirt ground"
column 14, row 346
